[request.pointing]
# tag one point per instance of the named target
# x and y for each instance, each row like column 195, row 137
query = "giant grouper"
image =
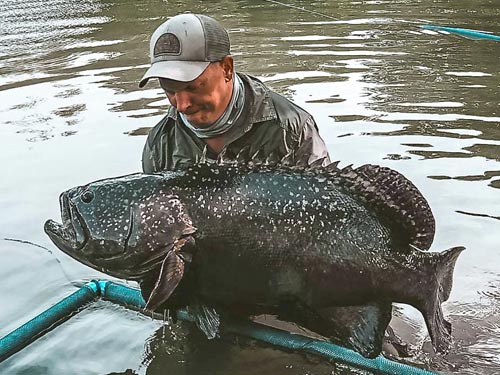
column 247, row 238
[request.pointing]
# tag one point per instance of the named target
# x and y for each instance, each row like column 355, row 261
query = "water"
column 382, row 90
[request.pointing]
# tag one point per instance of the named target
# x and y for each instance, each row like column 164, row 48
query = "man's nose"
column 182, row 101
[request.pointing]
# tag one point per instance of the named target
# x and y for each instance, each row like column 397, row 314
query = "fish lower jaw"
column 63, row 236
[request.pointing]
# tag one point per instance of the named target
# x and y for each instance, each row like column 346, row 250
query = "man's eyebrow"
column 168, row 87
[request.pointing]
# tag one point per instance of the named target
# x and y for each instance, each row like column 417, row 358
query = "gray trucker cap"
column 182, row 47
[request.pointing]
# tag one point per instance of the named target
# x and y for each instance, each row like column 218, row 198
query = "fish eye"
column 87, row 196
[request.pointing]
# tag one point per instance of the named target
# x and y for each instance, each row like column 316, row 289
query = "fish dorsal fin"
column 221, row 158
column 318, row 163
column 332, row 167
column 272, row 159
column 288, row 160
column 304, row 152
column 243, row 155
column 257, row 158
column 203, row 158
column 395, row 199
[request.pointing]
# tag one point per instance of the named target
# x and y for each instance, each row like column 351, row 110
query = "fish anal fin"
column 171, row 272
column 360, row 328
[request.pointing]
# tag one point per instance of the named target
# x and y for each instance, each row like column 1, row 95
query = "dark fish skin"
column 265, row 239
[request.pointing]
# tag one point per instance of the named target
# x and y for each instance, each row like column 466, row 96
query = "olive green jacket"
column 271, row 125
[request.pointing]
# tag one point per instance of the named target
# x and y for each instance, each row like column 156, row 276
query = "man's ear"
column 227, row 67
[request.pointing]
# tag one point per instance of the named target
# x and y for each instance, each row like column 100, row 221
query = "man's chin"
column 197, row 122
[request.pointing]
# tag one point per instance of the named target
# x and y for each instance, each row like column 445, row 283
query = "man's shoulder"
column 292, row 117
column 289, row 115
column 286, row 107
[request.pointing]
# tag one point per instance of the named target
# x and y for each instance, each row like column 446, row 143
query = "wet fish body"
column 268, row 239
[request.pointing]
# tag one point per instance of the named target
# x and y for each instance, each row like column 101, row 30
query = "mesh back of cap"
column 216, row 39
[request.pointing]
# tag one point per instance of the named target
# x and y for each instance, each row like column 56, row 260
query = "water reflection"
column 184, row 350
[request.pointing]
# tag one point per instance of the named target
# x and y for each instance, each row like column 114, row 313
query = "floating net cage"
column 130, row 297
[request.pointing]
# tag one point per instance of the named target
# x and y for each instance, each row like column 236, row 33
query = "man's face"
column 204, row 99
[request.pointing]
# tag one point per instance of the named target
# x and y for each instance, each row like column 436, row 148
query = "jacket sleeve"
column 148, row 159
column 154, row 149
column 311, row 145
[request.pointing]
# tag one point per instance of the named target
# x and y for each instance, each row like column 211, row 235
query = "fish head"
column 121, row 226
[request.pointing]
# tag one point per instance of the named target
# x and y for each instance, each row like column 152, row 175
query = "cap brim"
column 184, row 71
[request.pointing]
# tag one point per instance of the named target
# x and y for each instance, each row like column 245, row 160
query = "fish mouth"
column 70, row 236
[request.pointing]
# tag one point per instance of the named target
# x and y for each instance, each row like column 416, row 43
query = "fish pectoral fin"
column 171, row 272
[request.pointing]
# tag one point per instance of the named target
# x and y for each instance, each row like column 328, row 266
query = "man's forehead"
column 170, row 84
column 173, row 85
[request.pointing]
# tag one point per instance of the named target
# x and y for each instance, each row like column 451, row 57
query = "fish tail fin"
column 442, row 264
column 448, row 260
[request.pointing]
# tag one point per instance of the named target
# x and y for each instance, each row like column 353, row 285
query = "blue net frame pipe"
column 47, row 320
column 132, row 297
column 469, row 33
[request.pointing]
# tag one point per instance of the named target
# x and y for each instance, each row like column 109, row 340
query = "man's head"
column 190, row 57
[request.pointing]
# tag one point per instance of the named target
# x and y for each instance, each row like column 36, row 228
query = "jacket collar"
column 258, row 99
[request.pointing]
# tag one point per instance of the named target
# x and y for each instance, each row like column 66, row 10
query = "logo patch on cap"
column 167, row 44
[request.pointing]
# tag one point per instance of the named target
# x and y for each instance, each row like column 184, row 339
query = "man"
column 215, row 109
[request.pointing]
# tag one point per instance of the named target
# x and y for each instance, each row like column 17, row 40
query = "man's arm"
column 311, row 145
column 148, row 159
column 152, row 154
